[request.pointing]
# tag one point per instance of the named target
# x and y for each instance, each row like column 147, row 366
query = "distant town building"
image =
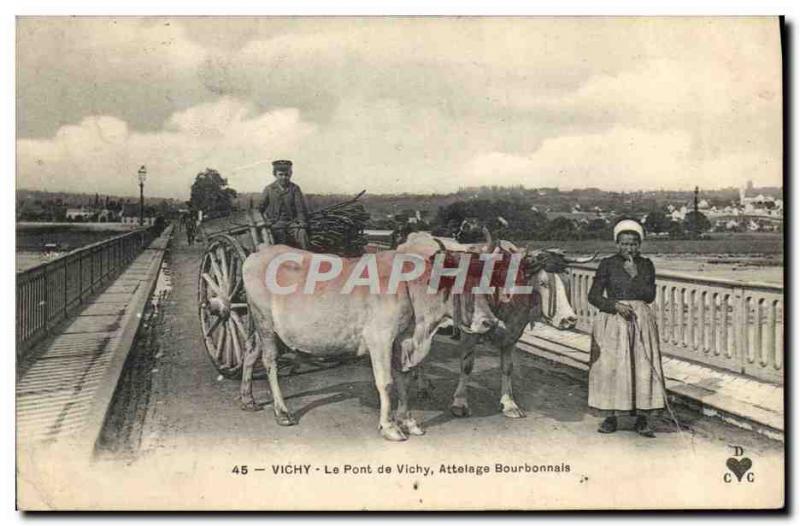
column 80, row 214
column 107, row 216
column 761, row 205
column 679, row 214
column 130, row 215
column 754, row 213
column 415, row 219
column 751, row 212
column 577, row 216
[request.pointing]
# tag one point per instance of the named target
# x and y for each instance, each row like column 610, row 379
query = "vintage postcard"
column 399, row 263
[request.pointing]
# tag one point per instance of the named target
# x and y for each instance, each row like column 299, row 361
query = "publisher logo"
column 739, row 467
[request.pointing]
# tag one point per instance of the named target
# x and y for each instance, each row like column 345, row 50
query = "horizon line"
column 426, row 194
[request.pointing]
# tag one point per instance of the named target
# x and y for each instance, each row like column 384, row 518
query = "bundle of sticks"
column 339, row 229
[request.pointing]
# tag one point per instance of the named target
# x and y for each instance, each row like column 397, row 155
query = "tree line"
column 517, row 221
column 512, row 217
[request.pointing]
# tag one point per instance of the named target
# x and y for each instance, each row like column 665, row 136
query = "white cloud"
column 404, row 104
column 102, row 155
column 620, row 159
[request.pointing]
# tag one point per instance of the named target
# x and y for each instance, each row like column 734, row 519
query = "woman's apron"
column 626, row 368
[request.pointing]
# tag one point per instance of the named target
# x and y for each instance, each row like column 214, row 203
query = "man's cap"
column 282, row 164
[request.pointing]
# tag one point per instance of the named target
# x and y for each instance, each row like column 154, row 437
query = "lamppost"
column 142, row 177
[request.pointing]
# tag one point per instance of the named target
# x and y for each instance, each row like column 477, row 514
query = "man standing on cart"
column 284, row 208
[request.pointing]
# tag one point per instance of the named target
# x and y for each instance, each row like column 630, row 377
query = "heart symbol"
column 739, row 467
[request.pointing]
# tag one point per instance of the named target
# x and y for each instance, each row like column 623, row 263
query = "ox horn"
column 490, row 243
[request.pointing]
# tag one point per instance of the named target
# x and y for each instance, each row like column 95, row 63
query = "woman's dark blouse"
column 617, row 284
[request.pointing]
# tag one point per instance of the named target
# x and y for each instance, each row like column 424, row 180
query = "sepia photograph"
column 400, row 263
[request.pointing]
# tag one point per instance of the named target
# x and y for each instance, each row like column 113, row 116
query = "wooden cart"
column 228, row 329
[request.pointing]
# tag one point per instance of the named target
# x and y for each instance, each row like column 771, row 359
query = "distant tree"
column 32, row 211
column 561, row 228
column 597, row 229
column 166, row 209
column 210, row 193
column 696, row 222
column 676, row 230
column 657, row 221
column 519, row 221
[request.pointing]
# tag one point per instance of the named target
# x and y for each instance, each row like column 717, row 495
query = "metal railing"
column 723, row 323
column 48, row 293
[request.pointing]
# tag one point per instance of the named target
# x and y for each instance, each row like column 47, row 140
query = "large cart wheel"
column 228, row 330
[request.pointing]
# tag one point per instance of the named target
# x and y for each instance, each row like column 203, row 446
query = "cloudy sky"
column 398, row 105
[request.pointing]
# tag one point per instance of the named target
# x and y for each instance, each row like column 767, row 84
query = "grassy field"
column 751, row 270
column 741, row 257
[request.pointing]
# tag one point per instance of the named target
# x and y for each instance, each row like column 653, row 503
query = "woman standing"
column 626, row 374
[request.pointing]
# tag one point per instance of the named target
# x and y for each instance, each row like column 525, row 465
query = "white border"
column 328, row 7
column 407, row 7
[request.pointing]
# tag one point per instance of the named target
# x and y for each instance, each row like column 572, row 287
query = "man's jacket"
column 280, row 204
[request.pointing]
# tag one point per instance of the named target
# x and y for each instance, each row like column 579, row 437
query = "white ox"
column 396, row 329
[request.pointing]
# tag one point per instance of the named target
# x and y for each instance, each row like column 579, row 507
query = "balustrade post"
column 724, row 325
column 691, row 298
column 66, row 288
column 681, row 295
column 740, row 331
column 758, row 344
column 779, row 349
column 673, row 334
column 701, row 322
column 661, row 291
column 772, row 351
column 91, row 271
column 80, row 278
column 574, row 291
column 46, row 298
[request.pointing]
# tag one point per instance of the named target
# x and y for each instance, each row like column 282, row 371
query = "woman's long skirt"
column 626, row 370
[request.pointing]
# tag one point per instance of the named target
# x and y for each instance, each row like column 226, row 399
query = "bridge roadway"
column 194, row 434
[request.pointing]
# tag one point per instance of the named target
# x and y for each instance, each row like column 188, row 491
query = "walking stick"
column 659, row 376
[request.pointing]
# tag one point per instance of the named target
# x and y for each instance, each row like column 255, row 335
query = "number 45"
column 239, row 470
